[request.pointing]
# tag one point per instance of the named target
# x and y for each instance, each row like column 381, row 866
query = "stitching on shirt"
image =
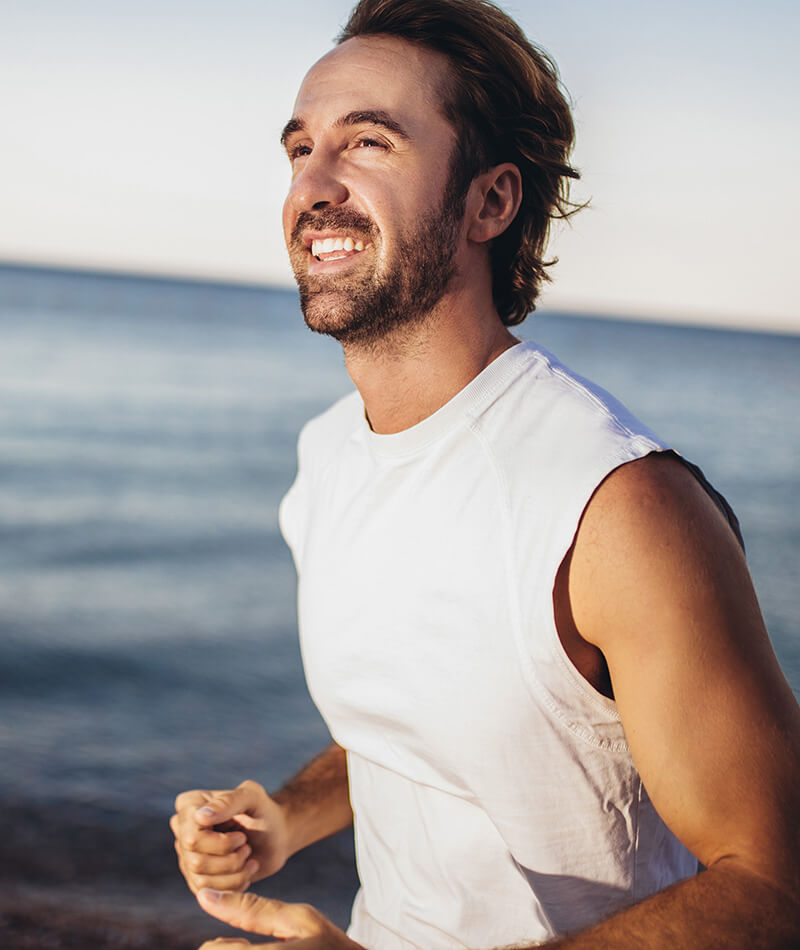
column 583, row 390
column 481, row 400
column 636, row 832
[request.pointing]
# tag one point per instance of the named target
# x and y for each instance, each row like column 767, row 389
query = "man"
column 528, row 624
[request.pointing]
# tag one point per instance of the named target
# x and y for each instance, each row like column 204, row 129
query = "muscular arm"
column 658, row 583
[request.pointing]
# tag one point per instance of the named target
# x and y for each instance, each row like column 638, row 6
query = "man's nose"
column 316, row 185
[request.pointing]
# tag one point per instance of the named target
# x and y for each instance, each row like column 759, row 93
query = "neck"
column 406, row 378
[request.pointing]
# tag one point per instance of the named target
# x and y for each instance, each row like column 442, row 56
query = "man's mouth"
column 337, row 248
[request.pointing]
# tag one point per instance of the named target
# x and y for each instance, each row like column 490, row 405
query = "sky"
column 143, row 136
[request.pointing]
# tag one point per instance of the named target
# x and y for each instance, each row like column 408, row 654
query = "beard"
column 364, row 309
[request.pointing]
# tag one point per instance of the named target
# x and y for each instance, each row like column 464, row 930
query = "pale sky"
column 143, row 136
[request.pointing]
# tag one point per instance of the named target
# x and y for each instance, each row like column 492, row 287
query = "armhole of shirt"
column 597, row 700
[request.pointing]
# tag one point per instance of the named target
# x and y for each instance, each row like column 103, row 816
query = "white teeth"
column 328, row 245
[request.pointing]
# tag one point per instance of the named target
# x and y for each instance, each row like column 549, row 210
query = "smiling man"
column 527, row 622
column 342, row 291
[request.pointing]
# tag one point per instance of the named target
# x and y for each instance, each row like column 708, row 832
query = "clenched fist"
column 225, row 840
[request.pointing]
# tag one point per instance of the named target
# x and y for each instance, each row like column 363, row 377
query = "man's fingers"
column 213, row 842
column 194, row 836
column 245, row 911
column 220, row 807
column 239, row 881
column 195, row 798
column 261, row 915
column 221, row 944
column 308, row 943
column 300, row 925
column 214, row 864
column 231, row 872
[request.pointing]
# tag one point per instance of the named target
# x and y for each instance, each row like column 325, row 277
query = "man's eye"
column 369, row 143
column 299, row 151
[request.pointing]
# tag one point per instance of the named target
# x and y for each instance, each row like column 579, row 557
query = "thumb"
column 222, row 806
column 261, row 915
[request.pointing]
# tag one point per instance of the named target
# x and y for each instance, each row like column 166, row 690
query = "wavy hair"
column 506, row 104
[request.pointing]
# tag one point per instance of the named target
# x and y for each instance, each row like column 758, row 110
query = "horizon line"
column 581, row 310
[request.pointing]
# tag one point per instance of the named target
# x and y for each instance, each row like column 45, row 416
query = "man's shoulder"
column 550, row 417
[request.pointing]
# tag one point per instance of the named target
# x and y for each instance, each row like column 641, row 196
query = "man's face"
column 371, row 225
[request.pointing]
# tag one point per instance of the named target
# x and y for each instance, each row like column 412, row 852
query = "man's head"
column 372, row 220
column 412, row 114
column 504, row 101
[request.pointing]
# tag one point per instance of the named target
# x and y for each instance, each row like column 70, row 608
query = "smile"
column 336, row 249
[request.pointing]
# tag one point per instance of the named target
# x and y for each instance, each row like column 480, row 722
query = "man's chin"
column 330, row 312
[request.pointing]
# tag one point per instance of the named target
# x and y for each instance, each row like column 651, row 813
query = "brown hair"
column 506, row 105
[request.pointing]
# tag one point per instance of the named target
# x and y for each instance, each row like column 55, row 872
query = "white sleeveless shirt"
column 494, row 795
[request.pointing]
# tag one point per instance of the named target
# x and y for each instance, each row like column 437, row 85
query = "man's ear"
column 495, row 196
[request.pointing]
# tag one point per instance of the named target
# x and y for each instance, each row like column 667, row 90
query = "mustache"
column 334, row 219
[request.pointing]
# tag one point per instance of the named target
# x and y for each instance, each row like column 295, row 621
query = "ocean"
column 147, row 618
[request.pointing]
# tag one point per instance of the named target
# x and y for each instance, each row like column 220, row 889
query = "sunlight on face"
column 371, row 225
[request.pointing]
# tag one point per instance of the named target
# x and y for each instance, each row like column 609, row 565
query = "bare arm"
column 659, row 584
column 316, row 801
column 228, row 839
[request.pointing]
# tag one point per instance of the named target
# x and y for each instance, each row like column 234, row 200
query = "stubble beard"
column 365, row 309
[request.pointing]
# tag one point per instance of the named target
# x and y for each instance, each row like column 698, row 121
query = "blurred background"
column 154, row 373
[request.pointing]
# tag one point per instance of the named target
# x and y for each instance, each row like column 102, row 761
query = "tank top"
column 495, row 799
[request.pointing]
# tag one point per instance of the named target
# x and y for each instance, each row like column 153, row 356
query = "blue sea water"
column 147, row 434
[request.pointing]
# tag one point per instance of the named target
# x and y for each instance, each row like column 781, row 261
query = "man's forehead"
column 371, row 73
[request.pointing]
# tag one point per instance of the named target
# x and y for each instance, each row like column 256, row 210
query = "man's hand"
column 228, row 839
column 300, row 925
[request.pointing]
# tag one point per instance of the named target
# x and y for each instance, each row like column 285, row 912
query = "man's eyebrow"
column 372, row 117
column 357, row 117
column 293, row 125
